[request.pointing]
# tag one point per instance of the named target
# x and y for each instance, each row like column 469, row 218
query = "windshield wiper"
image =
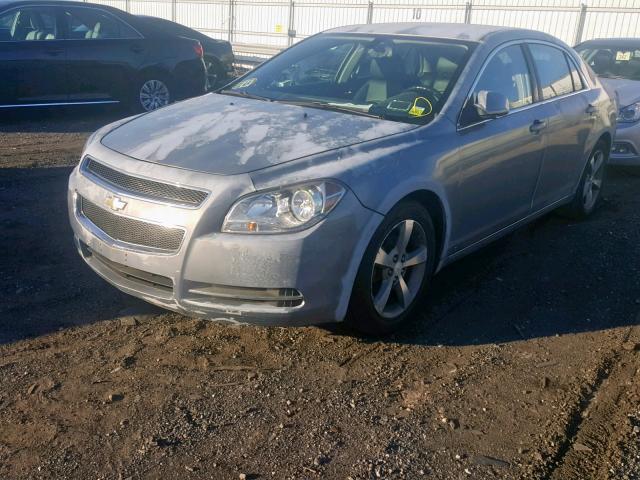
column 329, row 106
column 243, row 94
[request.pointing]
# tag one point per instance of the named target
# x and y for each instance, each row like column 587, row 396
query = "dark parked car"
column 218, row 54
column 64, row 52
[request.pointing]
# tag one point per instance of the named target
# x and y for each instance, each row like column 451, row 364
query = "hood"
column 625, row 91
column 226, row 135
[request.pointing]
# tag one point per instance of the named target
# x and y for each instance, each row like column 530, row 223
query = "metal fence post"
column 231, row 21
column 581, row 22
column 370, row 13
column 467, row 12
column 127, row 6
column 291, row 31
column 173, row 10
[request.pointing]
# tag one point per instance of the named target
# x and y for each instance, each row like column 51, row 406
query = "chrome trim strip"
column 104, row 183
column 59, row 104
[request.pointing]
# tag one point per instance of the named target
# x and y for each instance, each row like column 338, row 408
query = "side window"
column 28, row 24
column 553, row 70
column 575, row 76
column 506, row 73
column 94, row 24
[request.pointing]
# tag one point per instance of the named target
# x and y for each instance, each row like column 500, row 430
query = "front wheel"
column 589, row 192
column 395, row 270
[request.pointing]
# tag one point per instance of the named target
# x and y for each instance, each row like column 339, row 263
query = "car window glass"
column 506, row 73
column 28, row 24
column 553, row 70
column 321, row 66
column 93, row 24
column 575, row 76
column 396, row 78
column 613, row 61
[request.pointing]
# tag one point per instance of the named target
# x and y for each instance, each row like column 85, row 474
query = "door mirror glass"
column 490, row 104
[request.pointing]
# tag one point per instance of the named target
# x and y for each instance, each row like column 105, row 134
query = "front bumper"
column 626, row 146
column 220, row 275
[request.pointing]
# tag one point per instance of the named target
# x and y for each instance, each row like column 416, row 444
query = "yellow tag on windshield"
column 421, row 107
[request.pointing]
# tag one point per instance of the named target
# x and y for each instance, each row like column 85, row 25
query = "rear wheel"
column 589, row 191
column 215, row 73
column 394, row 272
column 153, row 92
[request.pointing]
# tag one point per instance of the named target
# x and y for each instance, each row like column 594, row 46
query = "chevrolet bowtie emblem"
column 115, row 203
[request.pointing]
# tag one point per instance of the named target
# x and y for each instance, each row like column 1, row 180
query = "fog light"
column 623, row 148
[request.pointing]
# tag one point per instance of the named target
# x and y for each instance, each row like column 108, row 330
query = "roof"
column 613, row 42
column 454, row 31
column 7, row 3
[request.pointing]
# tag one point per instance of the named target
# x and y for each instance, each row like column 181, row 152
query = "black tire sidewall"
column 576, row 209
column 362, row 314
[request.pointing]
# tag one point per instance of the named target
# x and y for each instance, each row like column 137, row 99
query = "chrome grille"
column 129, row 230
column 143, row 187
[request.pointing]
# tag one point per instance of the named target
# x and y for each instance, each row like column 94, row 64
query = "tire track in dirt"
column 594, row 427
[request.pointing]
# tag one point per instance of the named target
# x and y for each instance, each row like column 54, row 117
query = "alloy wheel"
column 399, row 269
column 593, row 180
column 153, row 94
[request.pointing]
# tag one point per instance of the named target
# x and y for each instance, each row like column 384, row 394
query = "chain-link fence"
column 264, row 27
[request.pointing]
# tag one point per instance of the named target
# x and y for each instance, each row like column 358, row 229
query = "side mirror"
column 491, row 104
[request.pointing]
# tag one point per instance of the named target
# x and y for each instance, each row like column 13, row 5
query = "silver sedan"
column 332, row 182
column 616, row 61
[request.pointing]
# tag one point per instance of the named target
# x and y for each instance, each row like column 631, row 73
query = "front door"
column 500, row 158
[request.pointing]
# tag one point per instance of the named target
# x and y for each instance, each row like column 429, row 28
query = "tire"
column 589, row 192
column 215, row 73
column 369, row 312
column 151, row 93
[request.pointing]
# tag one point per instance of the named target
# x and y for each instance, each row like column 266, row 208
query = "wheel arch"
column 606, row 137
column 432, row 202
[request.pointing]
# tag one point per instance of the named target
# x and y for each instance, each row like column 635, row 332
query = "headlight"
column 284, row 210
column 630, row 114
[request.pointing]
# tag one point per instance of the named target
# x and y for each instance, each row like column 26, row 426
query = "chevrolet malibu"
column 332, row 182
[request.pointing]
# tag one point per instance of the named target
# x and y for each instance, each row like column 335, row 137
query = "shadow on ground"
column 72, row 119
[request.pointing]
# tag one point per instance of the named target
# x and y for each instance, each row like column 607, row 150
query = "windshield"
column 395, row 78
column 613, row 61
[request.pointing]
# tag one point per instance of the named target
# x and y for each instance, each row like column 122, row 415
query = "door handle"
column 537, row 126
column 136, row 49
column 592, row 109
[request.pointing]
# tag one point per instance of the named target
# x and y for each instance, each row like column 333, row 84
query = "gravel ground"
column 523, row 365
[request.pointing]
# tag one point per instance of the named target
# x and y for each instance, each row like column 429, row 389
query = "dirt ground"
column 524, row 365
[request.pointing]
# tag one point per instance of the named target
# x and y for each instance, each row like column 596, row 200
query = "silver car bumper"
column 287, row 279
column 626, row 146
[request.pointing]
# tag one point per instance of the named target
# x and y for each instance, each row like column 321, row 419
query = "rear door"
column 500, row 158
column 32, row 57
column 103, row 54
column 570, row 120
